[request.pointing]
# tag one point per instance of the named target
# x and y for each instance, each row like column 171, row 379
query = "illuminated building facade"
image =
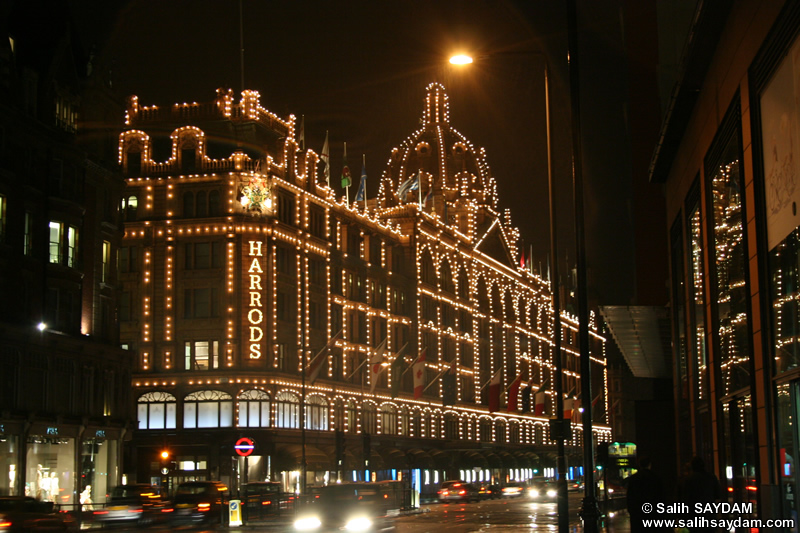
column 727, row 162
column 65, row 403
column 240, row 266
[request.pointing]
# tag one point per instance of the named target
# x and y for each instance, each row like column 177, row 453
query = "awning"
column 643, row 336
column 316, row 459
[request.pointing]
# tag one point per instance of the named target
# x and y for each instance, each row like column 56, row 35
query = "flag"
column 522, row 259
column 398, row 370
column 301, row 137
column 513, row 393
column 346, row 180
column 494, row 392
column 449, row 389
column 526, row 398
column 376, row 366
column 539, row 400
column 326, row 160
column 568, row 408
column 411, row 184
column 361, row 195
column 418, row 368
column 429, row 195
column 313, row 367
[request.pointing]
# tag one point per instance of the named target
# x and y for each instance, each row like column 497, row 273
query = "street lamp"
column 560, row 434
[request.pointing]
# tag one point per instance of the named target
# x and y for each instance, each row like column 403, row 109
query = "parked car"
column 263, row 498
column 135, row 505
column 543, row 491
column 354, row 506
column 513, row 490
column 23, row 513
column 458, row 491
column 200, row 502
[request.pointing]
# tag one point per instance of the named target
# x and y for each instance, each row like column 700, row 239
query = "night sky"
column 359, row 69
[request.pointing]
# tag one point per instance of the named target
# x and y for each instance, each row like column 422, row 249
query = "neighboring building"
column 727, row 158
column 65, row 402
column 240, row 267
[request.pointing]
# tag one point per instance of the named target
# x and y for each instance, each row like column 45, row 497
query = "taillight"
column 5, row 523
column 135, row 510
column 101, row 512
column 203, row 507
column 462, row 492
column 266, row 503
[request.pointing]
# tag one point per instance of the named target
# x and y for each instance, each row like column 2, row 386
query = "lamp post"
column 561, row 479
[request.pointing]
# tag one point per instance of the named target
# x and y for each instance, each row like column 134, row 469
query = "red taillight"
column 5, row 523
column 167, row 510
column 462, row 492
column 203, row 507
column 752, row 488
column 135, row 510
column 270, row 503
column 101, row 512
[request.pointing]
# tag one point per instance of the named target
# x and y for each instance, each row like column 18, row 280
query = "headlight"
column 307, row 524
column 358, row 524
column 551, row 493
column 534, row 493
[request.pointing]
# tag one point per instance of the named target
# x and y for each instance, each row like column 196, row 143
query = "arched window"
column 156, row 410
column 485, row 425
column 208, row 409
column 350, row 412
column 446, row 281
column 388, row 419
column 500, row 431
column 131, row 206
column 188, row 205
column 287, row 410
column 338, row 414
column 508, row 303
column 428, row 270
column 451, row 426
column 316, row 412
column 513, row 433
column 253, row 409
column 463, row 284
column 201, row 204
column 214, row 207
column 497, row 303
column 435, row 425
column 369, row 418
column 538, row 434
column 416, row 423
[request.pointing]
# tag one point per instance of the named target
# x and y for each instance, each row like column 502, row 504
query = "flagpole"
column 438, row 376
column 363, row 176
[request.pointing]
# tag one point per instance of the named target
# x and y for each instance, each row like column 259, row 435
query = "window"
column 214, row 205
column 130, row 207
column 253, row 409
column 200, row 303
column 134, row 163
column 125, row 306
column 287, row 410
column 485, row 430
column 203, row 255
column 208, row 409
column 128, row 259
column 285, row 259
column 201, row 204
column 201, row 355
column 316, row 221
column 188, row 162
column 156, row 410
column 317, row 272
column 27, row 244
column 188, row 205
column 63, row 244
column 106, row 274
column 451, row 426
column 369, row 418
column 316, row 412
column 388, row 419
column 286, row 207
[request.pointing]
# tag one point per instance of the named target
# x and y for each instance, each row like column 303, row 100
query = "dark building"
column 65, row 402
column 241, row 267
column 726, row 159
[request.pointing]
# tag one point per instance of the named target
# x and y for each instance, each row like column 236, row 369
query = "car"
column 458, row 491
column 574, row 486
column 23, row 513
column 513, row 490
column 543, row 491
column 488, row 492
column 137, row 504
column 200, row 502
column 263, row 498
column 355, row 506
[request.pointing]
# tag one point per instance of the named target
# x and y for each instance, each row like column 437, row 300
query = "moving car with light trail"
column 367, row 507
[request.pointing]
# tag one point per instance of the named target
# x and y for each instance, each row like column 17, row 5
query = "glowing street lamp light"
column 41, row 326
column 461, row 59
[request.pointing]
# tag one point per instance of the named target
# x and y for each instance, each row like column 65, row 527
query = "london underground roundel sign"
column 244, row 446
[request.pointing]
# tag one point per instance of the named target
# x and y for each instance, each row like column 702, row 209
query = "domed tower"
column 437, row 170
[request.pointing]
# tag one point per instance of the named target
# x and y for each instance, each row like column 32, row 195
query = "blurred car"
column 262, row 498
column 354, row 506
column 574, row 486
column 136, row 505
column 543, row 491
column 488, row 492
column 513, row 490
column 458, row 491
column 23, row 513
column 200, row 502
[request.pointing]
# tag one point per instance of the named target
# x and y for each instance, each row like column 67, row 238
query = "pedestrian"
column 700, row 488
column 645, row 491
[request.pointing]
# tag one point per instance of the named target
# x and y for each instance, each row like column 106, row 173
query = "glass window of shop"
column 728, row 257
column 787, row 406
column 50, row 469
column 9, row 445
column 98, row 470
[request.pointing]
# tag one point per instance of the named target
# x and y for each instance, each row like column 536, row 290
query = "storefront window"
column 698, row 308
column 9, row 469
column 780, row 139
column 208, row 409
column 729, row 261
column 787, row 443
column 316, row 413
column 50, row 469
column 98, row 470
column 156, row 410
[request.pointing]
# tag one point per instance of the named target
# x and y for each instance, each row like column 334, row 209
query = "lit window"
column 106, row 262
column 201, row 355
column 28, row 241
column 208, row 409
column 156, row 410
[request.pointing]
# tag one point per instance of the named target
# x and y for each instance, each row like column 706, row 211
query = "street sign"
column 244, row 446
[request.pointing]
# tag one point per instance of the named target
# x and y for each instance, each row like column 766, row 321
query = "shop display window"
column 50, row 469
column 9, row 445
